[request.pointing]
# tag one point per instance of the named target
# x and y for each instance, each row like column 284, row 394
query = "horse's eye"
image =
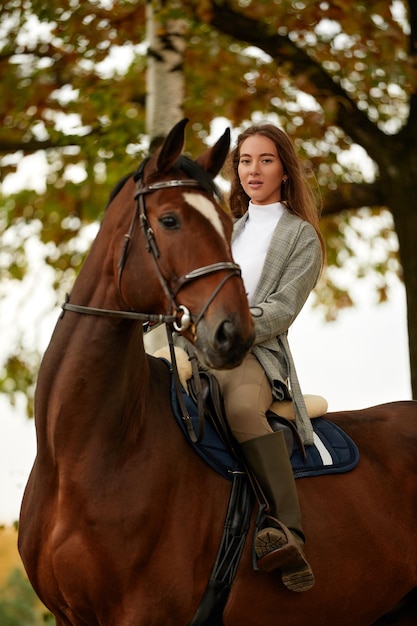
column 170, row 222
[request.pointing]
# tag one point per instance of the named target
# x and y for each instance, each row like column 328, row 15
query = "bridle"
column 181, row 318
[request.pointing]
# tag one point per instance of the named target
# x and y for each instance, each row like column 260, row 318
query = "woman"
column 278, row 244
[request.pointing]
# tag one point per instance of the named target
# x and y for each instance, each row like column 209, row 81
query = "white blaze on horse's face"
column 205, row 207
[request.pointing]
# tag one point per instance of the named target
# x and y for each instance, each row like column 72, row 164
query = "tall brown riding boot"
column 280, row 543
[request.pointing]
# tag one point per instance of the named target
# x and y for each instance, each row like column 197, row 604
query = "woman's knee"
column 240, row 409
column 246, row 418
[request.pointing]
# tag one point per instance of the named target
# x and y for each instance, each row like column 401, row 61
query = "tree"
column 334, row 74
column 64, row 101
column 359, row 62
column 165, row 76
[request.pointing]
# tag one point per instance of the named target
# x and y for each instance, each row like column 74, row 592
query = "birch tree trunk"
column 165, row 96
column 165, row 76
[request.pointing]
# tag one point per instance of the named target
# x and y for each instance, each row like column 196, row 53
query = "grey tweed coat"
column 291, row 269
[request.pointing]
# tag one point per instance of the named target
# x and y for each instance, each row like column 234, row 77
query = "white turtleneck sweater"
column 250, row 247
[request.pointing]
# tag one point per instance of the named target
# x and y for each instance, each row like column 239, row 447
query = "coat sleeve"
column 293, row 268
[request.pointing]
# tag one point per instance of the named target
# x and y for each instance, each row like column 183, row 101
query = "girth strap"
column 236, row 527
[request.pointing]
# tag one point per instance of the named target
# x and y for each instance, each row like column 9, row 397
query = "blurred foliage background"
column 19, row 605
column 77, row 114
column 338, row 75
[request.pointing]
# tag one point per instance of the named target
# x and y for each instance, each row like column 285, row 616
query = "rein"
column 131, row 315
column 182, row 319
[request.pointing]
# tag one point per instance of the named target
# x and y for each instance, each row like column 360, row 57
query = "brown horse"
column 121, row 520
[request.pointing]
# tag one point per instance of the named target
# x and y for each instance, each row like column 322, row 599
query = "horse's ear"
column 172, row 146
column 212, row 160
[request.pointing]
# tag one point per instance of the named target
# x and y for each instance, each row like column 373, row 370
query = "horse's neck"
column 94, row 370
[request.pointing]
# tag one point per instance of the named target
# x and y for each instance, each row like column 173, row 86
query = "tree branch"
column 354, row 122
column 33, row 145
column 350, row 196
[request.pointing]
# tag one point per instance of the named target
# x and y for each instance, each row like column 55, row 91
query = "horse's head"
column 177, row 257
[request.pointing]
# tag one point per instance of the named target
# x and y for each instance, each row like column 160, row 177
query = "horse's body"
column 121, row 521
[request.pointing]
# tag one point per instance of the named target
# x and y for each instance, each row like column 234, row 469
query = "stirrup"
column 275, row 545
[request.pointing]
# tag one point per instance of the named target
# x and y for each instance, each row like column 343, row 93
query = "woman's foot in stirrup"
column 271, row 548
column 276, row 549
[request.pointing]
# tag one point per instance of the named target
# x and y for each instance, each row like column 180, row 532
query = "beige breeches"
column 247, row 397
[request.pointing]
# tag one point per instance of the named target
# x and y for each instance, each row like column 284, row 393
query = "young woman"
column 278, row 244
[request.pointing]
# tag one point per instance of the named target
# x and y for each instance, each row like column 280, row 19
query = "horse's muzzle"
column 226, row 347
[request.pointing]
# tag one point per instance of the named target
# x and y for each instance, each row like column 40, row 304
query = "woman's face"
column 260, row 170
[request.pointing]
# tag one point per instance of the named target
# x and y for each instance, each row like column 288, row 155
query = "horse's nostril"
column 225, row 335
column 228, row 346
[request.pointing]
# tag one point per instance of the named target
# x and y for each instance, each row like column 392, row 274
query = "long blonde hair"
column 296, row 192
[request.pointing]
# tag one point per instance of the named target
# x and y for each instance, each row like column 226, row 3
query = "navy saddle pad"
column 333, row 451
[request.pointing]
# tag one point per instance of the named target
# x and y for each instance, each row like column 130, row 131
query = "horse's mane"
column 182, row 164
column 194, row 171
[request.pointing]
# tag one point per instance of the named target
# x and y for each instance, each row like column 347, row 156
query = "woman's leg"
column 247, row 396
column 279, row 544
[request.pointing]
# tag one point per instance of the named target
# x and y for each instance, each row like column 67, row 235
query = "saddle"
column 215, row 414
column 199, row 410
column 333, row 451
